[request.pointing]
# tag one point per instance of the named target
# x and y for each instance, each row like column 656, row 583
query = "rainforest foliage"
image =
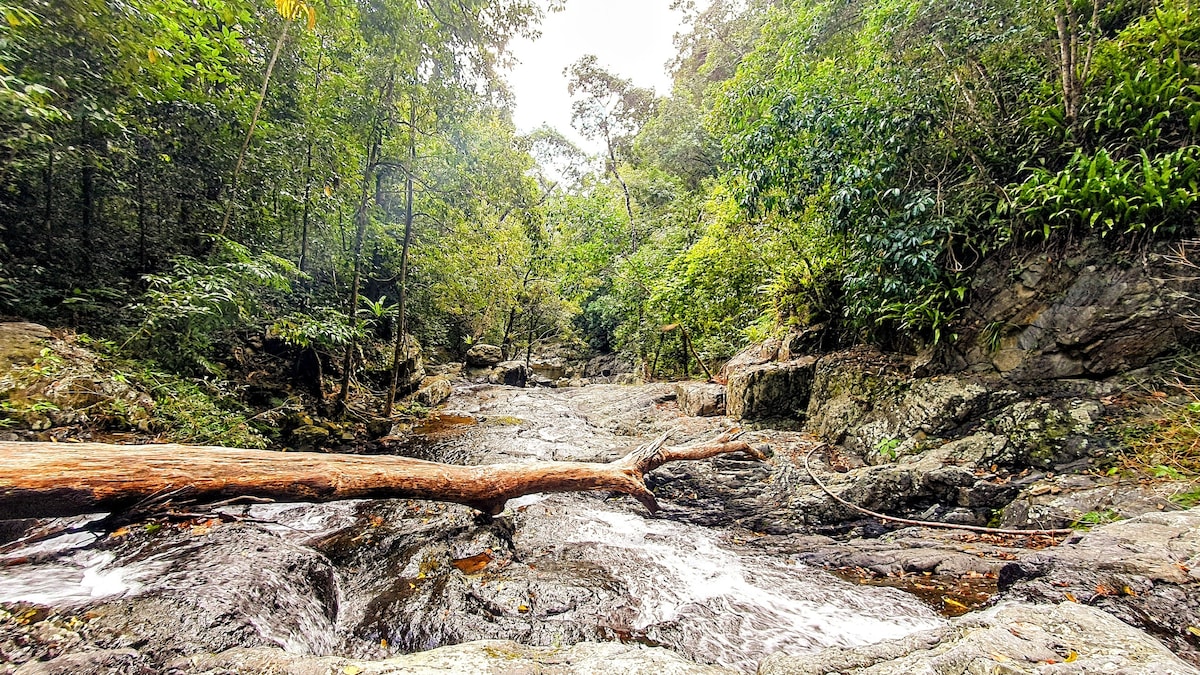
column 173, row 171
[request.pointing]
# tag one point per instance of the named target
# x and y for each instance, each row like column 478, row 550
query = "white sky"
column 631, row 38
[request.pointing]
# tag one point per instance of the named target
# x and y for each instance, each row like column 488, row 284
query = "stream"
column 370, row 579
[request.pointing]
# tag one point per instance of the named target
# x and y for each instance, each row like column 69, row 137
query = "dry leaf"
column 1194, row 631
column 1071, row 657
column 351, row 670
column 1071, row 597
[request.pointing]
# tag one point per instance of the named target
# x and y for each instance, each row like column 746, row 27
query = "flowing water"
column 370, row 579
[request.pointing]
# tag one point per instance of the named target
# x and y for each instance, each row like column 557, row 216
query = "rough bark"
column 62, row 479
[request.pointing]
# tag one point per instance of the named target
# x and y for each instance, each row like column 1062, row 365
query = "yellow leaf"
column 951, row 602
column 1071, row 657
column 1071, row 597
column 351, row 670
column 523, row 608
column 328, row 191
column 1194, row 631
column 152, row 54
column 312, row 17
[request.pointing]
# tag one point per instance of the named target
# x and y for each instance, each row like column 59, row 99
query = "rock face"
column 484, row 355
column 1099, row 313
column 1145, row 571
column 1009, row 638
column 771, row 390
column 700, row 400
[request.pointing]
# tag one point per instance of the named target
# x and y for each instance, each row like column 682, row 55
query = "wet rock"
column 484, row 656
column 536, row 380
column 21, row 344
column 700, row 400
column 484, row 355
column 435, row 392
column 911, row 550
column 1063, row 501
column 771, row 390
column 220, row 587
column 510, row 374
column 100, row 662
column 1144, row 571
column 1009, row 638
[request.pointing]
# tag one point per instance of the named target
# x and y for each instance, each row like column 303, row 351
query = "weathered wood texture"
column 62, row 479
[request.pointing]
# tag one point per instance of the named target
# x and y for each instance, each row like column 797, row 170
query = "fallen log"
column 39, row 480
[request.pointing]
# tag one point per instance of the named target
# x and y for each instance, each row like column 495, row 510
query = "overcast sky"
column 631, row 38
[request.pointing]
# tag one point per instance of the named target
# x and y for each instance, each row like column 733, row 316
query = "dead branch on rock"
column 62, row 479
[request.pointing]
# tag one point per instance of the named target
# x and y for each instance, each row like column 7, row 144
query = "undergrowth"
column 1163, row 440
column 185, row 410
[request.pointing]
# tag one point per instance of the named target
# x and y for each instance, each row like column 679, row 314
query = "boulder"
column 754, row 355
column 771, row 390
column 1008, row 638
column 552, row 368
column 310, row 436
column 484, row 355
column 608, row 366
column 450, row 370
column 510, row 373
column 435, row 392
column 698, row 399
column 21, row 344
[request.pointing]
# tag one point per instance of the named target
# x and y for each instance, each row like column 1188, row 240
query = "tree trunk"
column 612, row 163
column 400, row 353
column 304, row 218
column 48, row 212
column 262, row 96
column 361, row 219
column 40, row 480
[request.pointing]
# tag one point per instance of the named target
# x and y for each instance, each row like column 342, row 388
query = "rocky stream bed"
column 748, row 568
